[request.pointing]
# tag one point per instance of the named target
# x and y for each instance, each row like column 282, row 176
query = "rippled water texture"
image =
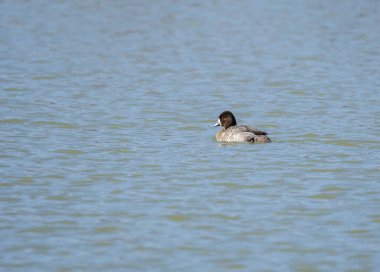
column 108, row 163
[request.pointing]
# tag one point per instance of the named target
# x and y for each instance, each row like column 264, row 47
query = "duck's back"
column 242, row 134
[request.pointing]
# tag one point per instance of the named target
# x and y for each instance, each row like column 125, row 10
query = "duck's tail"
column 260, row 139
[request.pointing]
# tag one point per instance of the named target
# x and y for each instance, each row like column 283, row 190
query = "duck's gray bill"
column 216, row 124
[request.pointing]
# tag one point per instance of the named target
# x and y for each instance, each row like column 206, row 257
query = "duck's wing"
column 254, row 130
column 249, row 136
column 234, row 134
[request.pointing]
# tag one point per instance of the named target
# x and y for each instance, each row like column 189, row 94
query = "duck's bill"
column 216, row 124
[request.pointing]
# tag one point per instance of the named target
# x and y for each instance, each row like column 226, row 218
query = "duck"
column 231, row 132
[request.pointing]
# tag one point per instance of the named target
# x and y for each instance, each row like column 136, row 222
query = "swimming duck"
column 231, row 132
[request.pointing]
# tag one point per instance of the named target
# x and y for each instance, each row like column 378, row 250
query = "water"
column 108, row 163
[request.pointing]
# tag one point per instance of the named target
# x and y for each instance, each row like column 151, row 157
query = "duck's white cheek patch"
column 219, row 122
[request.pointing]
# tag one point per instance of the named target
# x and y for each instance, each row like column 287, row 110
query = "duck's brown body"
column 242, row 134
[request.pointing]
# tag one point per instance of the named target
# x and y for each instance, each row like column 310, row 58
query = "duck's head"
column 226, row 120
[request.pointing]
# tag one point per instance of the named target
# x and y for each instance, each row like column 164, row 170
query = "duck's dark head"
column 226, row 120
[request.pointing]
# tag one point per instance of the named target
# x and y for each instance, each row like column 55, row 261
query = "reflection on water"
column 108, row 161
